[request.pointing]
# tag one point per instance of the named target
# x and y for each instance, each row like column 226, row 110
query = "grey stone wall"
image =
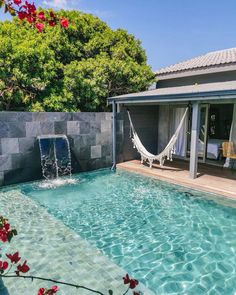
column 145, row 120
column 90, row 136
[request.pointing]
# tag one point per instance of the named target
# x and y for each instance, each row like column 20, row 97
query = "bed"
column 213, row 148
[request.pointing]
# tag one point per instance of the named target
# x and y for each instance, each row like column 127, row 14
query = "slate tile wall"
column 89, row 134
column 145, row 120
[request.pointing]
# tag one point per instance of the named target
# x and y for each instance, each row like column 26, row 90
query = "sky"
column 170, row 30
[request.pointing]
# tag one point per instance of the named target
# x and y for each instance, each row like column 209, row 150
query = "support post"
column 194, row 140
column 113, row 135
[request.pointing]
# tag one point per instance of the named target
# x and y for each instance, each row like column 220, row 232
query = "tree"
column 68, row 70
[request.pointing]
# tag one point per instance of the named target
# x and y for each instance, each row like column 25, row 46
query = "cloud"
column 73, row 4
column 57, row 4
column 99, row 13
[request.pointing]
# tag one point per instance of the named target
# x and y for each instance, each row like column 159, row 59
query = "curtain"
column 232, row 137
column 181, row 143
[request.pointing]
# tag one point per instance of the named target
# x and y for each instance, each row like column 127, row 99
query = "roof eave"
column 196, row 72
column 178, row 97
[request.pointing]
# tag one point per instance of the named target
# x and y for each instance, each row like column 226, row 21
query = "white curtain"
column 181, row 145
column 232, row 136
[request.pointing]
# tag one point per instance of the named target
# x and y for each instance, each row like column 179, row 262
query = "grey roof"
column 215, row 59
column 208, row 91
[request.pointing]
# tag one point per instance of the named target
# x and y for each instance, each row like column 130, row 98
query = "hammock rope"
column 168, row 151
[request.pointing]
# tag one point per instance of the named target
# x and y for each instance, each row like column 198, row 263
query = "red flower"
column 7, row 226
column 31, row 19
column 14, row 257
column 136, row 293
column 22, row 15
column 126, row 279
column 52, row 14
column 39, row 27
column 41, row 291
column 52, row 23
column 133, row 283
column 30, row 7
column 5, row 230
column 3, row 236
column 54, row 289
column 3, row 265
column 64, row 22
column 22, row 268
column 17, row 2
column 41, row 16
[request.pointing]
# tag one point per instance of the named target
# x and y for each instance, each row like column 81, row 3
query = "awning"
column 196, row 92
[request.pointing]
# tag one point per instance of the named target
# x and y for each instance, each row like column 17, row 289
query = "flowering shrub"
column 51, row 291
column 6, row 234
column 28, row 12
column 132, row 282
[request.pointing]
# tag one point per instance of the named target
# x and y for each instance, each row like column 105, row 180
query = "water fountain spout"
column 55, row 155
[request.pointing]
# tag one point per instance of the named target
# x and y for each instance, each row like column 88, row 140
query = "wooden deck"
column 211, row 179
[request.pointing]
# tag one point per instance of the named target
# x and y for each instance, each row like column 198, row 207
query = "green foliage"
column 68, row 70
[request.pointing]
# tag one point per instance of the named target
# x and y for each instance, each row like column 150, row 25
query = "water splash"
column 55, row 156
column 54, row 183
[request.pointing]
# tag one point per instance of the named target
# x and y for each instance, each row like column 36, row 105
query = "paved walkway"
column 211, row 179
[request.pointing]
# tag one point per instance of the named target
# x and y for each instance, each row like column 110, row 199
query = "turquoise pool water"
column 174, row 240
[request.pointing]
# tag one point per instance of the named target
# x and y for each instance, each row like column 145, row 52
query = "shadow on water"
column 3, row 289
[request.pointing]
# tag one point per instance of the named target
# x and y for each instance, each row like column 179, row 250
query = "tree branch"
column 53, row 281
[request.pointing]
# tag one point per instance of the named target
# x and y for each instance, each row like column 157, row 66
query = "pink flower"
column 64, row 22
column 39, row 27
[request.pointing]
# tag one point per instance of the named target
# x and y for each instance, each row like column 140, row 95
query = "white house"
column 207, row 86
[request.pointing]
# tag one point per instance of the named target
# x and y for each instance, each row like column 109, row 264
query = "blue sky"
column 170, row 30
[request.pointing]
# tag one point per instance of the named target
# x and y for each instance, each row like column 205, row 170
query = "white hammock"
column 166, row 153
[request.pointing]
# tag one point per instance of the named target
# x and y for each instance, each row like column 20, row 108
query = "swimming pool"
column 174, row 240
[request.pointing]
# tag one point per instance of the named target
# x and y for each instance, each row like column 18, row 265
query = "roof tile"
column 211, row 59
